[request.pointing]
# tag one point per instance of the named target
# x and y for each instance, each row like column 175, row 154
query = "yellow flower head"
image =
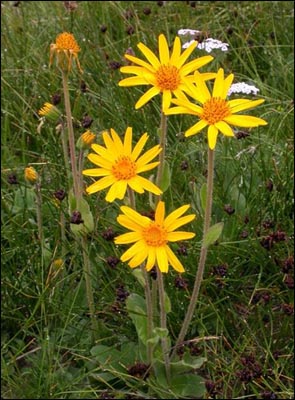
column 167, row 74
column 120, row 166
column 217, row 113
column 151, row 237
column 31, row 174
column 65, row 48
column 85, row 140
column 50, row 112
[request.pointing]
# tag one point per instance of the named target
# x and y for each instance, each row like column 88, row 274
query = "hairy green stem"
column 203, row 255
column 71, row 136
column 163, row 325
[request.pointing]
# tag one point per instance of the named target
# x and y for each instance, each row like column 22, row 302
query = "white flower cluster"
column 208, row 44
column 242, row 87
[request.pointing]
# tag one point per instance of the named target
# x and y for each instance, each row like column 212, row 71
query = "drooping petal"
column 212, row 136
column 162, row 259
column 224, row 128
column 117, row 191
column 151, row 260
column 173, row 260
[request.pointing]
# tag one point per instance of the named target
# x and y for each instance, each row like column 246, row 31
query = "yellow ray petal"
column 147, row 97
column 185, row 55
column 160, row 212
column 224, row 128
column 194, row 108
column 128, row 223
column 179, row 235
column 146, row 184
column 101, row 184
column 151, row 261
column 139, row 146
column 201, row 92
column 141, row 220
column 195, row 64
column 226, row 85
column 133, row 250
column 176, row 51
column 166, row 99
column 196, row 128
column 96, row 172
column 245, row 121
column 147, row 167
column 128, row 238
column 148, row 156
column 100, row 161
column 179, row 222
column 212, row 136
column 117, row 142
column 134, row 81
column 218, row 84
column 150, row 56
column 128, row 141
column 138, row 258
column 116, row 191
column 163, row 50
column 173, row 260
column 174, row 215
column 245, row 106
column 162, row 259
column 138, row 61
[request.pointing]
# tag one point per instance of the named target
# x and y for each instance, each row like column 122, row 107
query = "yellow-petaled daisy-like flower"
column 31, row 175
column 217, row 113
column 50, row 112
column 151, row 237
column 85, row 140
column 167, row 74
column 65, row 48
column 120, row 166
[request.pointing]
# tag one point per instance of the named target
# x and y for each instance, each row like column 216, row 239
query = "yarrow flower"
column 208, row 45
column 120, row 166
column 167, row 74
column 31, row 175
column 151, row 237
column 242, row 87
column 50, row 112
column 65, row 48
column 217, row 113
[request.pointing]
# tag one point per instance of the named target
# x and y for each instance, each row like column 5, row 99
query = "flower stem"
column 203, row 254
column 163, row 324
column 71, row 136
column 163, row 135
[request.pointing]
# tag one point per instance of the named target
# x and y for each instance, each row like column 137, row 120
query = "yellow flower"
column 50, row 112
column 167, row 74
column 85, row 140
column 31, row 174
column 151, row 237
column 217, row 113
column 65, row 48
column 120, row 166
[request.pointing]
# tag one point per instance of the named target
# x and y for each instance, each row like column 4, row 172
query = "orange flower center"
column 66, row 41
column 155, row 235
column 215, row 110
column 167, row 77
column 124, row 168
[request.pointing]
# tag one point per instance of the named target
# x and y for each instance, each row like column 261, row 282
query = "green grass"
column 244, row 317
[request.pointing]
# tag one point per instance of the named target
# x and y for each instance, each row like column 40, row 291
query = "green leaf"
column 24, row 199
column 136, row 308
column 188, row 385
column 187, row 364
column 213, row 234
column 137, row 272
column 83, row 207
column 166, row 177
column 167, row 303
column 203, row 195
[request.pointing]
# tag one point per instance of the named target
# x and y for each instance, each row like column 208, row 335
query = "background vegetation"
column 245, row 311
